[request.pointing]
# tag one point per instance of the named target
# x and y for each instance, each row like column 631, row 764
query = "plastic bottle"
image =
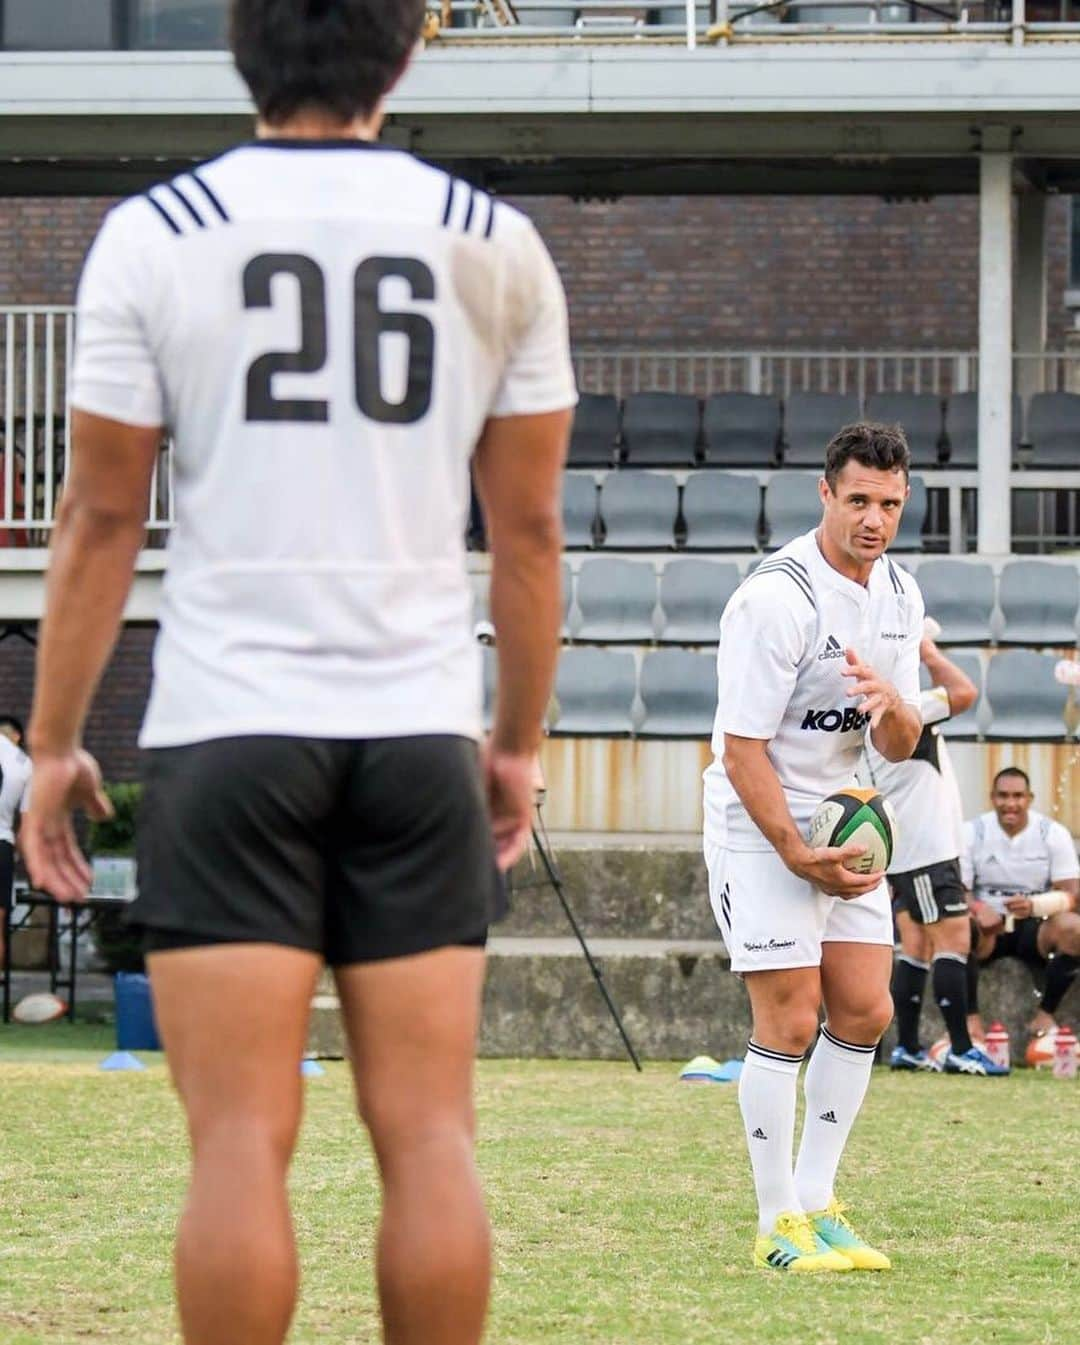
column 1065, row 1063
column 997, row 1044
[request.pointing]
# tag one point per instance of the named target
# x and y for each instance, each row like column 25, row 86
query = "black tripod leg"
column 555, row 880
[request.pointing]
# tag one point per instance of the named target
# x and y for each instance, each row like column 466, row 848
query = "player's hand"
column 878, row 695
column 1018, row 907
column 510, row 779
column 61, row 783
column 824, row 867
column 987, row 919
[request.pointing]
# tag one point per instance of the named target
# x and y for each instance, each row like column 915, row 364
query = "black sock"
column 908, row 983
column 951, row 992
column 972, row 982
column 1061, row 971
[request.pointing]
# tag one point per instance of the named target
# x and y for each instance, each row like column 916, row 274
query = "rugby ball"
column 860, row 815
column 39, row 1008
column 1042, row 1049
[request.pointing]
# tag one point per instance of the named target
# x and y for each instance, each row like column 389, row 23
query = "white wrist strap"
column 1044, row 904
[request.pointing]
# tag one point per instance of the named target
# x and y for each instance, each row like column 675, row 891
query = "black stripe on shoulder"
column 490, row 225
column 784, row 567
column 469, row 211
column 164, row 214
column 897, row 582
column 451, row 188
column 171, row 186
column 211, row 196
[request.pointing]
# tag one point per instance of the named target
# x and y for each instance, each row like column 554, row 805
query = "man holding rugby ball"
column 817, row 646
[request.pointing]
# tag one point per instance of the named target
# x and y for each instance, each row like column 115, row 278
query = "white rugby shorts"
column 771, row 920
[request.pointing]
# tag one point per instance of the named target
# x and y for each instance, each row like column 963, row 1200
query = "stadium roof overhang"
column 895, row 118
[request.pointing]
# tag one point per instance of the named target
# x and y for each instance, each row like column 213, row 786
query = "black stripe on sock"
column 769, row 1054
column 848, row 1045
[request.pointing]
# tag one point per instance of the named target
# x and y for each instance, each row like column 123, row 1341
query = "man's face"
column 1012, row 800
column 863, row 512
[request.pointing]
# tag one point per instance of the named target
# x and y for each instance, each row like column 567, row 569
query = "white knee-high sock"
column 835, row 1085
column 767, row 1094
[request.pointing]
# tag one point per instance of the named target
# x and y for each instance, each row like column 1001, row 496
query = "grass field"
column 621, row 1205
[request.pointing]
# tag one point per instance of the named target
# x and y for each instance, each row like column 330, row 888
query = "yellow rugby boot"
column 793, row 1246
column 832, row 1228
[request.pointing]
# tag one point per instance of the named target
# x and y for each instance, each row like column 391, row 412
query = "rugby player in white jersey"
column 818, row 644
column 928, row 895
column 1023, row 878
column 328, row 328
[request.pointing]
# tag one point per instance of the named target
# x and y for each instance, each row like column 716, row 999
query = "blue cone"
column 311, row 1069
column 120, row 1060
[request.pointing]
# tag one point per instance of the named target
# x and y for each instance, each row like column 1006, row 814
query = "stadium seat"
column 595, row 693
column 909, row 534
column 965, row 725
column 678, row 689
column 960, row 597
column 693, row 595
column 596, row 429
column 1039, row 602
column 810, row 421
column 616, row 599
column 741, row 429
column 660, row 429
column 721, row 511
column 490, row 665
column 567, row 599
column 639, row 510
column 962, row 429
column 578, row 510
column 1025, row 699
column 792, row 507
column 538, row 16
column 1053, row 429
column 919, row 414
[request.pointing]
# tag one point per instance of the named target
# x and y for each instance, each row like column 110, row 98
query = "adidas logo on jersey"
column 829, row 1115
column 759, row 1134
column 833, row 649
column 835, row 721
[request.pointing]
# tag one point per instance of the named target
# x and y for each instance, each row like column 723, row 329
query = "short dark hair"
column 883, row 447
column 15, row 723
column 1011, row 770
column 337, row 56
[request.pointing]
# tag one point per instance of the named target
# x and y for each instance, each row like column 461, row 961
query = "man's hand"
column 824, row 867
column 510, row 779
column 61, row 784
column 879, row 696
column 1018, row 907
column 987, row 919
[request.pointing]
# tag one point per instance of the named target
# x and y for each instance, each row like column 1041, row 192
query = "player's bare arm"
column 894, row 725
column 1049, row 903
column 957, row 685
column 518, row 468
column 99, row 530
column 755, row 781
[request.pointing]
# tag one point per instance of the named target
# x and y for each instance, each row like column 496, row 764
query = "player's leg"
column 412, row 1025
column 910, row 971
column 1058, row 940
column 234, row 1051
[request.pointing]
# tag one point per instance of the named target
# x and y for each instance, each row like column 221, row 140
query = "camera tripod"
column 553, row 879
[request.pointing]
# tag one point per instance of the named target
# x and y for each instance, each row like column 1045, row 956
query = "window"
column 61, row 25
column 179, row 25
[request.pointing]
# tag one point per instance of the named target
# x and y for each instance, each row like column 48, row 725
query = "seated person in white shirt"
column 1023, row 881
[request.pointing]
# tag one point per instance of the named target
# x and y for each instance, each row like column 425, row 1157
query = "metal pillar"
column 995, row 350
column 1030, row 328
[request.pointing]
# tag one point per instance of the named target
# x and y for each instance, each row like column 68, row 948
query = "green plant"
column 118, row 947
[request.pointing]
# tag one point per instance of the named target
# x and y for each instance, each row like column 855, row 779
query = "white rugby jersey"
column 15, row 773
column 779, row 663
column 324, row 326
column 995, row 865
column 923, row 792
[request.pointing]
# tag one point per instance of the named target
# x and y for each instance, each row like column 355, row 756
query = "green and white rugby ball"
column 860, row 815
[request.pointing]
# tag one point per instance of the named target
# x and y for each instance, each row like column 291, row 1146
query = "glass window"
column 59, row 25
column 180, row 25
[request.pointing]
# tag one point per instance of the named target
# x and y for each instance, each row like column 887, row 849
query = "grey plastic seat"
column 810, row 421
column 660, row 429
column 490, row 666
column 909, row 534
column 616, row 599
column 919, row 415
column 596, row 428
column 541, row 17
column 721, row 511
column 595, row 691
column 676, row 15
column 1053, row 429
column 639, row 510
column 965, row 725
column 567, row 581
column 962, row 428
column 1026, row 701
column 792, row 507
column 1039, row 602
column 678, row 689
column 741, row 429
column 578, row 510
column 960, row 597
column 693, row 595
